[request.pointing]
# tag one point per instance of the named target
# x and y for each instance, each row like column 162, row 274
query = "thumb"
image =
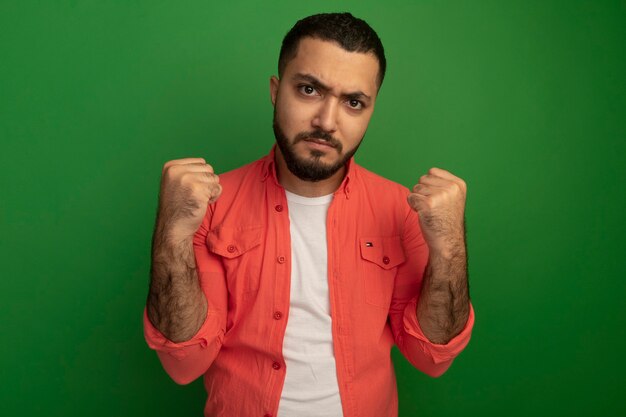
column 216, row 192
column 416, row 201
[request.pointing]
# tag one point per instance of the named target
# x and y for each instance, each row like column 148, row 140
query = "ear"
column 274, row 82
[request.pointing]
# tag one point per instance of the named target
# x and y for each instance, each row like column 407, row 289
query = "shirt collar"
column 269, row 170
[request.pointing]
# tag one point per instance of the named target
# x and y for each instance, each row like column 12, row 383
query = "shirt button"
column 231, row 248
column 276, row 365
column 281, row 259
column 278, row 207
column 278, row 315
column 385, row 260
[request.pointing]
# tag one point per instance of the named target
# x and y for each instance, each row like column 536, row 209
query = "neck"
column 295, row 185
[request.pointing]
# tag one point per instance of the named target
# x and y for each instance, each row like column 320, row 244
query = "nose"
column 326, row 117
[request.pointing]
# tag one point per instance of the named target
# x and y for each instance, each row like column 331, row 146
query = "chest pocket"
column 240, row 250
column 381, row 257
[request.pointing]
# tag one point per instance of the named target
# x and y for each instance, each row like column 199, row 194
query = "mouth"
column 319, row 142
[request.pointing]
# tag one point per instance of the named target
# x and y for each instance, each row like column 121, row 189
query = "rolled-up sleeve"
column 415, row 338
column 186, row 361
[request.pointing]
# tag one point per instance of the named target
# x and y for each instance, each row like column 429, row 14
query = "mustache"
column 318, row 135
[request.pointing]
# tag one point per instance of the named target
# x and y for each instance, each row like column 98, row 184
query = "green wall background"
column 525, row 100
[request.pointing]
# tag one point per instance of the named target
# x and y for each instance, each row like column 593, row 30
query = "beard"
column 311, row 168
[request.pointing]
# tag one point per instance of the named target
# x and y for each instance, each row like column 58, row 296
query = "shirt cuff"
column 157, row 341
column 438, row 352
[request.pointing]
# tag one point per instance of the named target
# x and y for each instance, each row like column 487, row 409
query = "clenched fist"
column 439, row 199
column 188, row 186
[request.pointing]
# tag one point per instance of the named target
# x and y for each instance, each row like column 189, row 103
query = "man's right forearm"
column 176, row 305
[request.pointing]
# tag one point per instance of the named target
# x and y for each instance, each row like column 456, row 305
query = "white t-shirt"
column 310, row 388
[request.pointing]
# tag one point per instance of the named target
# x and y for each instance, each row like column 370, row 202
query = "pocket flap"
column 231, row 242
column 386, row 252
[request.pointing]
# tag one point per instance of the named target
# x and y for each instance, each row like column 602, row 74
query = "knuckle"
column 166, row 167
column 173, row 168
column 186, row 178
column 195, row 187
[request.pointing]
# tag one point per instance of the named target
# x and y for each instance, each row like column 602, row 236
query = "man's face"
column 322, row 106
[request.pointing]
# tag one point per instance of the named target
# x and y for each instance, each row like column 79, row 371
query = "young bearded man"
column 287, row 281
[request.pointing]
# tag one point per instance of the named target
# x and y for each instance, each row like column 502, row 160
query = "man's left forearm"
column 443, row 305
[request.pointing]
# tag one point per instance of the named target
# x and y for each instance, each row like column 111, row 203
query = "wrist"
column 176, row 238
column 171, row 236
column 447, row 251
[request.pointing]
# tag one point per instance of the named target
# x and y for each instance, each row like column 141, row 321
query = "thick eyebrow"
column 355, row 95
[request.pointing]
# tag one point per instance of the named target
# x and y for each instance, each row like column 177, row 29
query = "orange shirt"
column 376, row 261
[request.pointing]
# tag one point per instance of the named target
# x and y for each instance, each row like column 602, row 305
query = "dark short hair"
column 351, row 33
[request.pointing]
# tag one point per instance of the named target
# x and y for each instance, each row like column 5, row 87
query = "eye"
column 307, row 90
column 355, row 104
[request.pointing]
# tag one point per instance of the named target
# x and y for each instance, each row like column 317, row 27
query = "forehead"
column 341, row 70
